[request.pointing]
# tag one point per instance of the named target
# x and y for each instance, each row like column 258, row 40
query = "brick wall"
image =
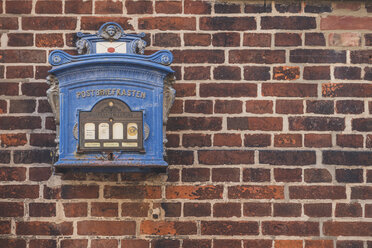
column 269, row 137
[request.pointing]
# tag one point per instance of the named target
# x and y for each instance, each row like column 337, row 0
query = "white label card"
column 117, row 131
column 103, row 131
column 89, row 131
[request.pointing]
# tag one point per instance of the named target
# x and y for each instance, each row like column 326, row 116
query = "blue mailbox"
column 111, row 102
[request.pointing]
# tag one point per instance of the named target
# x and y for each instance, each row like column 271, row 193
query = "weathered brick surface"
column 268, row 140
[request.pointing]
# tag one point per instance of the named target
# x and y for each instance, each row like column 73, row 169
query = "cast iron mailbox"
column 111, row 102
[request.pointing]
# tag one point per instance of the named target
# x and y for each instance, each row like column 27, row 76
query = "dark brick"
column 18, row 7
column 175, row 157
column 197, row 73
column 22, row 106
column 287, row 209
column 255, row 192
column 287, row 175
column 194, row 192
column 199, row 56
column 256, row 175
column 350, row 107
column 290, row 228
column 287, row 157
column 109, row 7
column 3, row 106
column 334, row 228
column 256, row 73
column 32, row 156
column 14, row 243
column 225, row 175
column 42, row 209
column 199, row 106
column 226, row 210
column 41, row 72
column 347, row 158
column 256, row 209
column 167, row 40
column 229, row 107
column 195, row 174
column 11, row 209
column 197, row 243
column 361, row 57
column 129, row 192
column 78, row 7
column 223, row 157
column 257, row 243
column 290, row 23
column 228, row 90
column 49, row 23
column 12, row 174
column 200, row 140
column 19, row 72
column 314, row 39
column 256, row 56
column 95, row 22
column 227, row 23
column 320, row 107
column 289, row 107
column 160, row 243
column 317, row 192
column 318, row 8
column 257, row 8
column 349, row 140
column 317, row 123
column 316, row 73
column 222, row 243
column 194, row 123
column 289, row 89
column 227, row 73
column 349, row 176
column 75, row 209
column 79, row 191
column 19, row 191
column 197, row 39
column 48, row 7
column 22, row 56
column 257, row 140
column 255, row 123
column 348, row 210
column 226, row 8
column 317, row 56
column 4, row 157
column 43, row 243
column 226, row 39
column 350, row 73
column 108, row 209
column 259, row 106
column 317, row 176
column 34, row 89
column 167, row 23
column 229, row 228
column 257, row 40
column 49, row 40
column 197, row 209
column 171, row 209
column 20, row 39
column 44, row 107
column 168, row 7
column 8, row 23
column 39, row 174
column 318, row 209
column 287, row 39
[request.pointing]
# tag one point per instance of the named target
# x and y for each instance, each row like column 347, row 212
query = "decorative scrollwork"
column 139, row 46
column 53, row 99
column 83, row 46
column 169, row 94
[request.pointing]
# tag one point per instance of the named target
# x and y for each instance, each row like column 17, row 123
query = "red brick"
column 361, row 192
column 19, row 191
column 348, row 6
column 39, row 174
column 223, row 157
column 13, row 139
column 197, row 209
column 138, row 7
column 287, row 175
column 177, row 107
column 104, row 243
column 14, row 243
column 320, row 107
column 44, row 228
column 197, row 243
column 257, row 73
column 226, row 210
column 34, row 89
column 134, row 243
column 290, row 228
column 32, row 156
column 255, row 123
column 287, row 39
column 108, row 7
column 287, row 157
column 257, row 140
column 20, row 39
column 317, row 176
column 197, row 7
column 227, row 139
column 5, row 227
column 318, row 140
column 222, row 243
column 289, row 89
column 256, row 56
column 368, row 210
column 229, row 107
column 315, row 39
column 229, row 228
column 199, row 56
column 288, row 140
column 180, row 157
column 256, row 175
column 226, row 39
column 361, row 124
column 78, row 7
column 8, row 23
column 345, row 23
column 167, row 40
column 347, row 157
column 192, row 140
column 348, row 210
column 42, row 139
column 227, row 73
column 255, row 192
column 259, row 106
column 104, row 209
column 257, row 40
column 132, row 192
column 42, row 243
column 19, row 72
column 74, row 243
column 185, row 89
column 289, row 107
column 49, row 23
column 168, row 228
column 135, row 209
column 75, row 209
column 79, row 191
column 168, row 7
column 317, row 192
column 167, row 23
column 173, row 140
column 338, row 228
column 316, row 123
column 48, row 7
column 42, row 209
column 3, row 106
column 49, row 40
column 18, row 7
column 194, row 192
column 94, row 23
column 316, row 72
column 192, row 39
column 349, row 244
column 171, row 209
column 287, row 210
column 199, row 106
column 225, row 175
column 253, row 209
column 350, row 107
column 227, row 23
column 195, row 174
column 194, row 123
column 228, row 90
column 12, row 174
column 290, row 23
column 257, row 243
column 349, row 140
column 11, row 209
column 318, row 243
column 106, row 228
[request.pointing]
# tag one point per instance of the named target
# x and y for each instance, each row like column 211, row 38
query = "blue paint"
column 81, row 80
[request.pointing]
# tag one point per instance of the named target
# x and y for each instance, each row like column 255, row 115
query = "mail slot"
column 110, row 102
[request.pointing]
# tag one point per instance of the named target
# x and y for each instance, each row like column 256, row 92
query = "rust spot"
column 330, row 89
